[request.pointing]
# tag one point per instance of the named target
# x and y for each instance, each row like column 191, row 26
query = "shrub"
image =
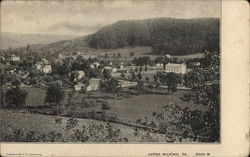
column 15, row 97
column 150, row 86
column 105, row 106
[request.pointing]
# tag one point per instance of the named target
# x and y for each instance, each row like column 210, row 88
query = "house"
column 95, row 65
column 167, row 55
column 38, row 66
column 176, row 68
column 159, row 64
column 94, row 84
column 45, row 61
column 78, row 75
column 46, row 68
column 61, row 56
column 125, row 83
column 79, row 86
column 112, row 69
column 14, row 58
column 85, row 56
column 2, row 57
column 121, row 66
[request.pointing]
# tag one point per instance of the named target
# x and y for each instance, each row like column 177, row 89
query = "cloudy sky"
column 85, row 17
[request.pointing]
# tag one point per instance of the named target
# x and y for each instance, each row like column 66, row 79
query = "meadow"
column 125, row 107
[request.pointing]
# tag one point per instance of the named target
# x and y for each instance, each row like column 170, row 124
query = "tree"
column 123, row 74
column 139, row 75
column 131, row 54
column 140, row 69
column 136, row 69
column 106, row 74
column 172, row 80
column 106, row 55
column 205, row 86
column 3, row 81
column 94, row 73
column 133, row 76
column 144, row 60
column 54, row 93
column 15, row 97
column 111, row 85
column 139, row 87
column 61, row 69
column 119, row 55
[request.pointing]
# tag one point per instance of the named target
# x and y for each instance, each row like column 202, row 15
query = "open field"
column 137, row 107
column 127, row 109
column 138, row 51
column 44, row 124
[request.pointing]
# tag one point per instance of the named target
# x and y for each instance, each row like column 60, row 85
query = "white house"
column 2, row 57
column 176, row 68
column 14, row 58
column 47, row 68
column 45, row 61
column 80, row 74
column 38, row 66
column 167, row 55
column 95, row 65
column 112, row 69
column 121, row 66
column 79, row 86
column 159, row 64
column 124, row 83
column 94, row 84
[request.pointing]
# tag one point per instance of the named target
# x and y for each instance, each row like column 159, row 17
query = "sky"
column 87, row 16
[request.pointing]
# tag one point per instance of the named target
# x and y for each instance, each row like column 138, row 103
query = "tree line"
column 163, row 35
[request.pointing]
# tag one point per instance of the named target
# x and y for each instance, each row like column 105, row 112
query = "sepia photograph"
column 111, row 71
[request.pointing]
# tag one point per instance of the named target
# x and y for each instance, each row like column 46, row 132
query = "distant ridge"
column 164, row 35
column 15, row 40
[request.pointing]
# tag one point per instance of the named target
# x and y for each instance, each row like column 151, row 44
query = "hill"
column 163, row 35
column 160, row 35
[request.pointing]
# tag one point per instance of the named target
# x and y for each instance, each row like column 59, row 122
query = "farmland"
column 127, row 109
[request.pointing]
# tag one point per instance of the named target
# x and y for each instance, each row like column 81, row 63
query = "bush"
column 54, row 93
column 15, row 97
column 150, row 86
column 105, row 106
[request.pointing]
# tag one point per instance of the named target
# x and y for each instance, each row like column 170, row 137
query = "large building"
column 15, row 58
column 176, row 68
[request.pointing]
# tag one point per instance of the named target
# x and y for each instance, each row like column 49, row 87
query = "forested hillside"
column 163, row 35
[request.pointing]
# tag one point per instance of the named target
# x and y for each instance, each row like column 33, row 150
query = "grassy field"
column 44, row 124
column 126, row 109
column 137, row 107
column 35, row 96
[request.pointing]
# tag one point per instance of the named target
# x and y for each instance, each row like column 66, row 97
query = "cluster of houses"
column 11, row 58
column 44, row 66
column 116, row 70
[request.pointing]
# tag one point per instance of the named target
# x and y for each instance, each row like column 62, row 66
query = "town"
column 97, row 86
column 84, row 72
column 107, row 72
